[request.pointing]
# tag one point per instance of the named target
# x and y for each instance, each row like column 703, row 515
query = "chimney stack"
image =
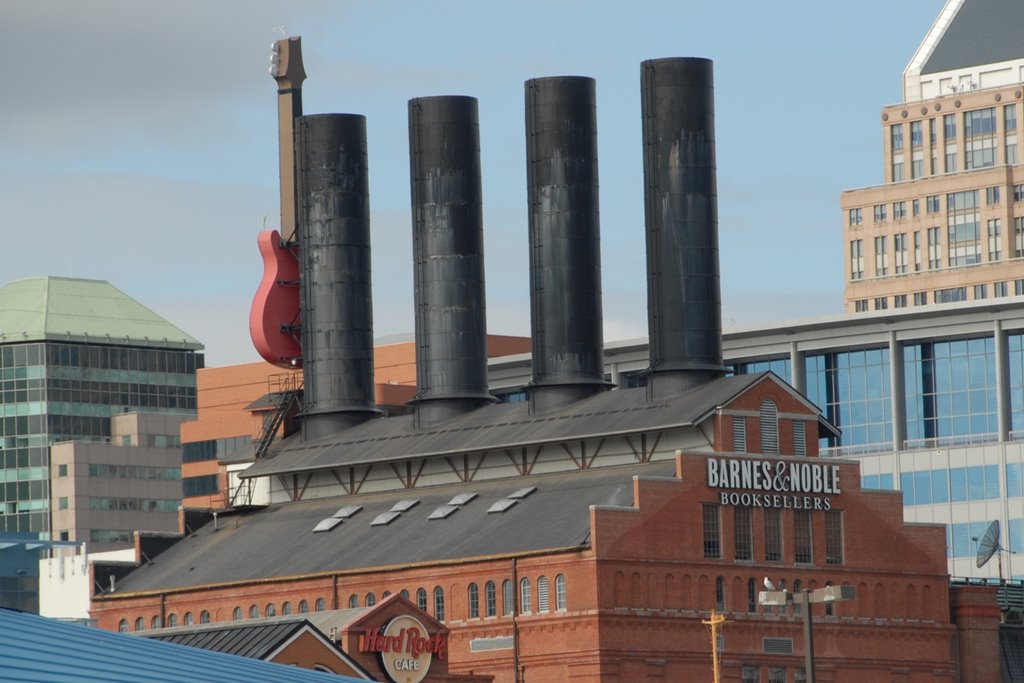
column 334, row 253
column 681, row 210
column 565, row 247
column 448, row 253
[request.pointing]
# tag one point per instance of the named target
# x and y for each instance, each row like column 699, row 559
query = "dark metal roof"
column 256, row 640
column 42, row 650
column 278, row 541
column 506, row 425
column 982, row 32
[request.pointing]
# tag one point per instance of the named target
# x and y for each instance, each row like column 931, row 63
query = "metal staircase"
column 284, row 391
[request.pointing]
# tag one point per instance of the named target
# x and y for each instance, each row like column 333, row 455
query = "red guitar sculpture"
column 275, row 316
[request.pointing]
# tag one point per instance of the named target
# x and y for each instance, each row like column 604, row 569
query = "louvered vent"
column 777, row 646
column 739, row 434
column 769, row 428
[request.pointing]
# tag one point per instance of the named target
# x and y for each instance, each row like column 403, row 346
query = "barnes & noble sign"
column 773, row 483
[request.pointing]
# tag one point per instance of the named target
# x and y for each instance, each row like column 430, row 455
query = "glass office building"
column 74, row 353
column 930, row 400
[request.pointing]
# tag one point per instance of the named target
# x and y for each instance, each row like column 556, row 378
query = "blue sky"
column 138, row 139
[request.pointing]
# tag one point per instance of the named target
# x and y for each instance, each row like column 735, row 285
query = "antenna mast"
column 715, row 623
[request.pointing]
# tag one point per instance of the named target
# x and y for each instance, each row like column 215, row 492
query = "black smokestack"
column 448, row 250
column 334, row 252
column 565, row 247
column 681, row 209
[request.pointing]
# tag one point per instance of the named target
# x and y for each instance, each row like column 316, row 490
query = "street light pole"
column 805, row 601
column 806, row 598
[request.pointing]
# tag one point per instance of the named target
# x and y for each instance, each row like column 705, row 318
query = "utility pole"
column 715, row 623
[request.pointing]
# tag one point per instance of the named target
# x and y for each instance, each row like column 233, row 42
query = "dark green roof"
column 91, row 311
column 982, row 32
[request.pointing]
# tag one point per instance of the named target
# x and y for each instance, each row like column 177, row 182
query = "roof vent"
column 443, row 511
column 403, row 505
column 462, row 498
column 327, row 524
column 385, row 518
column 522, row 493
column 347, row 511
column 502, row 505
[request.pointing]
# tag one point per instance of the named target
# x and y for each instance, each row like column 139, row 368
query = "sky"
column 138, row 139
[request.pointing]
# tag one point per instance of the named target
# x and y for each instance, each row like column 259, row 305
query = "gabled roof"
column 42, row 650
column 90, row 311
column 279, row 541
column 256, row 638
column 508, row 425
column 969, row 33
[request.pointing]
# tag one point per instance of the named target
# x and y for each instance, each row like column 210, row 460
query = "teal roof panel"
column 85, row 311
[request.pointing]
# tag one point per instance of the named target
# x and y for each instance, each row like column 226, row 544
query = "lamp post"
column 806, row 598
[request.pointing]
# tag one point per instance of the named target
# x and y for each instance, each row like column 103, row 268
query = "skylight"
column 443, row 511
column 326, row 524
column 522, row 493
column 502, row 505
column 347, row 511
column 462, row 498
column 403, row 505
column 385, row 518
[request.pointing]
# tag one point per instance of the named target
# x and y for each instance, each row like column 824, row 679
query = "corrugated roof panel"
column 47, row 651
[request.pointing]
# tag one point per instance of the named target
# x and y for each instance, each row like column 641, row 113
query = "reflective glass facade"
column 852, row 388
column 52, row 392
column 780, row 366
column 951, row 392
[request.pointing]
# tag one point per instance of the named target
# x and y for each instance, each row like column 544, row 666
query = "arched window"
column 508, row 598
column 204, row 617
column 438, row 603
column 254, row 612
column 172, row 620
column 769, row 427
column 829, row 605
column 303, row 607
column 751, row 596
column 122, row 626
column 490, row 599
column 320, row 605
column 236, row 614
column 155, row 622
column 543, row 597
column 140, row 624
column 561, row 599
column 421, row 599
column 353, row 601
column 385, row 594
column 797, row 587
column 525, row 599
column 270, row 611
column 188, row 619
column 474, row 601
column 405, row 594
column 371, row 599
column 720, row 593
column 286, row 608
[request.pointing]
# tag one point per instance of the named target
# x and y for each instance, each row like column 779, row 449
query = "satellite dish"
column 989, row 543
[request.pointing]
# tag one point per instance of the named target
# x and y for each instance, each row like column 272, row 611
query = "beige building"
column 103, row 492
column 947, row 225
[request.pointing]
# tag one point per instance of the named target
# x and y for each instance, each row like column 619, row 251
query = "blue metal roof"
column 42, row 650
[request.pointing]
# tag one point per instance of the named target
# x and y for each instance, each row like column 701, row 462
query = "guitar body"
column 274, row 319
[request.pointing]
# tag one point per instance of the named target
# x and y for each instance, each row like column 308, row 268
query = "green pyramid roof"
column 93, row 311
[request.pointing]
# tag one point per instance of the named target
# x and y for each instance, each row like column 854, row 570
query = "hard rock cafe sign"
column 405, row 648
column 773, row 483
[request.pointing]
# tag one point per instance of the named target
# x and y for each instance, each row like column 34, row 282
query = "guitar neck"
column 288, row 72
